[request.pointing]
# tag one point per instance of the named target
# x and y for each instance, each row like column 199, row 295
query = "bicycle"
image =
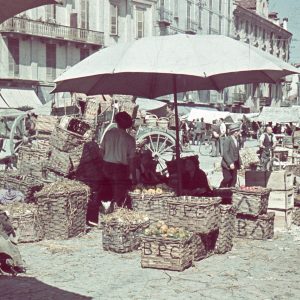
column 272, row 163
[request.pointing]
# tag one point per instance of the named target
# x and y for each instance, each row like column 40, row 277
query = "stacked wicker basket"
column 253, row 221
column 67, row 146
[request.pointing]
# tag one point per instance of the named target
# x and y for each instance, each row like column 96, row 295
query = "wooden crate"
column 276, row 180
column 281, row 199
column 252, row 203
column 167, row 253
column 293, row 168
column 257, row 228
column 283, row 218
column 196, row 214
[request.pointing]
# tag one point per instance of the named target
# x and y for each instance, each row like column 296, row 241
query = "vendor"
column 118, row 150
column 194, row 180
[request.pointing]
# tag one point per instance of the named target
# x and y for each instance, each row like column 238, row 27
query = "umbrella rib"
column 273, row 81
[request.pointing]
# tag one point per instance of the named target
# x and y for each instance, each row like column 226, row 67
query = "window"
column 113, row 19
column 264, row 35
column 139, row 23
column 220, row 24
column 175, row 8
column 84, row 14
column 50, row 12
column 50, row 62
column 272, row 39
column 84, row 53
column 188, row 14
column 13, row 56
column 278, row 41
column 220, row 7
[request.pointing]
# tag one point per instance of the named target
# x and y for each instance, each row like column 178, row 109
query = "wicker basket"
column 155, row 206
column 62, row 208
column 27, row 185
column 260, row 228
column 205, row 244
column 196, row 214
column 59, row 162
column 224, row 242
column 167, row 253
column 296, row 216
column 122, row 239
column 46, row 124
column 65, row 140
column 252, row 203
column 151, row 120
column 163, row 123
column 32, row 160
column 25, row 221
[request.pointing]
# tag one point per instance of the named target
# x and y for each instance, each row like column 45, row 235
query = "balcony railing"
column 191, row 26
column 164, row 16
column 53, row 31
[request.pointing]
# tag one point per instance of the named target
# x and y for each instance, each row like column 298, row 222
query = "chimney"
column 285, row 23
column 277, row 21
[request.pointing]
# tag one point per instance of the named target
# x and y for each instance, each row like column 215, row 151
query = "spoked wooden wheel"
column 17, row 136
column 161, row 145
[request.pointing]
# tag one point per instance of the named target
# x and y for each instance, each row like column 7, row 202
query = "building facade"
column 255, row 25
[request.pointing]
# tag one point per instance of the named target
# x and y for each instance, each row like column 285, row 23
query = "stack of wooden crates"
column 281, row 198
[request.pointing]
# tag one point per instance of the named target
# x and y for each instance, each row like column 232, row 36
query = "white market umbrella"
column 14, row 7
column 155, row 66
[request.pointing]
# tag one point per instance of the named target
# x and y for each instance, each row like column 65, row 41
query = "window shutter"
column 113, row 19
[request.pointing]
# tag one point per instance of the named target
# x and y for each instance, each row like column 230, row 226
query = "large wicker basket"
column 167, row 253
column 155, row 206
column 224, row 242
column 62, row 208
column 296, row 216
column 65, row 140
column 32, row 160
column 45, row 124
column 122, row 239
column 25, row 221
column 252, row 203
column 257, row 228
column 205, row 244
column 27, row 185
column 59, row 162
column 196, row 214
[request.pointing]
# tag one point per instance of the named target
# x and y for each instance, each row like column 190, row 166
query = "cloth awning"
column 278, row 115
column 16, row 98
column 208, row 115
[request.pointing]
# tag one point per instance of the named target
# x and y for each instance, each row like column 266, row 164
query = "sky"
column 291, row 10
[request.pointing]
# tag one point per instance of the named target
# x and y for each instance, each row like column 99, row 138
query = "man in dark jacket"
column 231, row 161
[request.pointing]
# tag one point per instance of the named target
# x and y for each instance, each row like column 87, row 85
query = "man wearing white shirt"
column 222, row 135
column 267, row 142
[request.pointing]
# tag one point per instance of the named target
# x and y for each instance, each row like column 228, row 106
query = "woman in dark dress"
column 194, row 180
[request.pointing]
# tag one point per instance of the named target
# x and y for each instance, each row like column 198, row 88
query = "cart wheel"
column 206, row 148
column 161, row 145
column 17, row 136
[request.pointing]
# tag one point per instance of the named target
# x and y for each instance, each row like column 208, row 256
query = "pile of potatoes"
column 161, row 229
column 154, row 190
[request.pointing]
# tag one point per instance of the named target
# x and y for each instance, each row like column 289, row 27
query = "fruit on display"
column 257, row 189
column 125, row 217
column 161, row 229
column 152, row 190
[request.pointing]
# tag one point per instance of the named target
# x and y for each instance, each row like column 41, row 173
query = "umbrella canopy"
column 12, row 8
column 146, row 67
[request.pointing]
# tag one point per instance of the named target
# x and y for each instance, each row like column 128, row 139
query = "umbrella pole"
column 177, row 142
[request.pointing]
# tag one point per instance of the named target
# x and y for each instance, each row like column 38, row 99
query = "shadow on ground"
column 15, row 288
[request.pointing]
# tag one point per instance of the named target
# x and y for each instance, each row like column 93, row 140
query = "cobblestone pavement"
column 79, row 269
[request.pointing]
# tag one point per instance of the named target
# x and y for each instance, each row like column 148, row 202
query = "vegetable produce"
column 152, row 190
column 125, row 217
column 160, row 229
column 257, row 189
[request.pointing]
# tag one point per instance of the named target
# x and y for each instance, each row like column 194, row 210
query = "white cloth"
column 235, row 141
column 223, row 128
column 262, row 137
column 118, row 146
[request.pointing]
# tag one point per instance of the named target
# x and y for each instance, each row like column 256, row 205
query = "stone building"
column 255, row 25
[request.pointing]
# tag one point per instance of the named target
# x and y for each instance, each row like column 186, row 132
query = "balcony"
column 164, row 16
column 191, row 26
column 52, row 31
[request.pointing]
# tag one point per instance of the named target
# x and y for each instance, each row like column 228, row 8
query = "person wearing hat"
column 231, row 160
column 118, row 151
